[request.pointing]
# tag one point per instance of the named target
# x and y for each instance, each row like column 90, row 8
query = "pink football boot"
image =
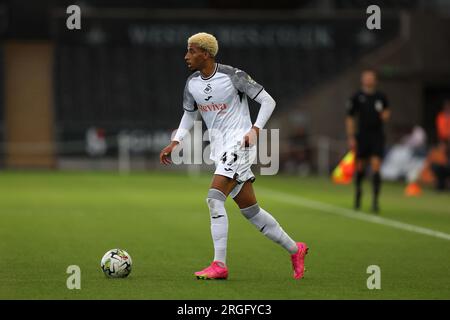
column 298, row 260
column 217, row 270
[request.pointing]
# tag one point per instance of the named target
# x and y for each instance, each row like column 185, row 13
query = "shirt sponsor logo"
column 212, row 107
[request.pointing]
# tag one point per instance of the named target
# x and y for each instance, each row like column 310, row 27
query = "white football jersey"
column 221, row 100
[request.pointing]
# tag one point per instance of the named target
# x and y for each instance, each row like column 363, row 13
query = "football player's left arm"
column 265, row 111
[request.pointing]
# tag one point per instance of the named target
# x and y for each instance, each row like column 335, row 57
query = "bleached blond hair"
column 205, row 41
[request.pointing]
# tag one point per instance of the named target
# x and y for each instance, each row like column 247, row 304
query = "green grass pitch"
column 50, row 220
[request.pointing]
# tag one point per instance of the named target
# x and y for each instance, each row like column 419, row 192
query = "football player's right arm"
column 186, row 124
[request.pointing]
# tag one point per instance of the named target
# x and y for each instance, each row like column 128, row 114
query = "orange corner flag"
column 343, row 172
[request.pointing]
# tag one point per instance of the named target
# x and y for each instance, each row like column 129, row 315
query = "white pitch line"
column 352, row 214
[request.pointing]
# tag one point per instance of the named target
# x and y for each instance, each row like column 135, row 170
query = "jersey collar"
column 215, row 70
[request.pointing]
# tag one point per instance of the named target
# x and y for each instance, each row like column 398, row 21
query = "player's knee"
column 215, row 194
column 251, row 211
column 262, row 220
column 216, row 203
column 375, row 164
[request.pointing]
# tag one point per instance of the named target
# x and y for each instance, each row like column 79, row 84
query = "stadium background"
column 124, row 71
column 69, row 97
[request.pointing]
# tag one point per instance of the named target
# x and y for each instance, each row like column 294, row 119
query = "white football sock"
column 269, row 227
column 219, row 223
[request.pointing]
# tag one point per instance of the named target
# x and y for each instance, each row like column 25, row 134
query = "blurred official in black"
column 367, row 111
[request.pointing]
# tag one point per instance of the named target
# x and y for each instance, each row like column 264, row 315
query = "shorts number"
column 233, row 160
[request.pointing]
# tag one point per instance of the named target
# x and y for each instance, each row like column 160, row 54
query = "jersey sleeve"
column 352, row 106
column 189, row 103
column 244, row 83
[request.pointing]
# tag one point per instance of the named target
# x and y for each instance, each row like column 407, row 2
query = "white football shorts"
column 236, row 164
